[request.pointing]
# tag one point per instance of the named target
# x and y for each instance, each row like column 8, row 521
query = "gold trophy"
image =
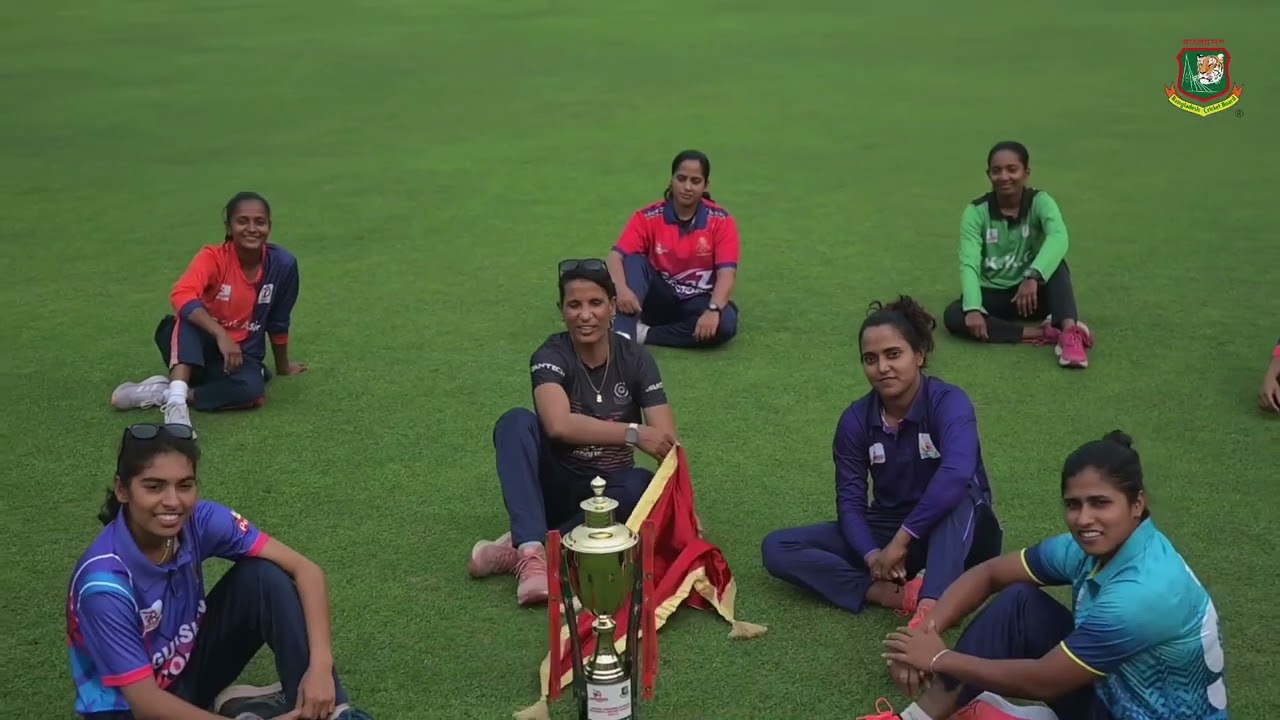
column 602, row 564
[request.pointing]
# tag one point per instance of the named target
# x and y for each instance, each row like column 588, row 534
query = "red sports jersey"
column 687, row 255
column 246, row 307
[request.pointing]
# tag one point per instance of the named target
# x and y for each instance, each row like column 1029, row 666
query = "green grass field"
column 429, row 161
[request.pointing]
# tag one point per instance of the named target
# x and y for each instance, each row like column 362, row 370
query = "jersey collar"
column 915, row 414
column 697, row 222
column 1127, row 554
column 146, row 573
column 993, row 206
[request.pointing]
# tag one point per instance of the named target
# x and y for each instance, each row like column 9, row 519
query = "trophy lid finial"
column 597, row 486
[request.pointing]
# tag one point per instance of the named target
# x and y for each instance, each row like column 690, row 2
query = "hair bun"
column 1119, row 437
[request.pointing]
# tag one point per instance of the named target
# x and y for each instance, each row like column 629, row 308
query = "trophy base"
column 609, row 702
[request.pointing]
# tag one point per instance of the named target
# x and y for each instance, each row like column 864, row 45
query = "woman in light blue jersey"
column 1140, row 641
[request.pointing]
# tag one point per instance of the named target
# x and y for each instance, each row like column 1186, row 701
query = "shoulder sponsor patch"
column 547, row 366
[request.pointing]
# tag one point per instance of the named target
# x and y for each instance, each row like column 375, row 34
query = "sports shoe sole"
column 237, row 692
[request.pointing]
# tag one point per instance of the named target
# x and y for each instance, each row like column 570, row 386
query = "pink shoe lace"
column 1071, row 348
column 531, row 577
column 492, row 558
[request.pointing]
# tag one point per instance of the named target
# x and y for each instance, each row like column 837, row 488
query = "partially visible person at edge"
column 1013, row 268
column 676, row 264
column 144, row 640
column 931, row 514
column 230, row 299
column 1141, row 640
column 1269, row 393
column 597, row 397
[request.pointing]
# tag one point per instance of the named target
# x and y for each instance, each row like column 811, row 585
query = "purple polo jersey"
column 922, row 470
column 129, row 619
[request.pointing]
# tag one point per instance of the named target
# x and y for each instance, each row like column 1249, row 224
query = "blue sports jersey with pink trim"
column 129, row 619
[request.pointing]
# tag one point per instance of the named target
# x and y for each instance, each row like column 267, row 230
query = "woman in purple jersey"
column 146, row 642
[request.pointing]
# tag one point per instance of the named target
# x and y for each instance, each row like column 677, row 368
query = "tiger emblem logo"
column 1210, row 68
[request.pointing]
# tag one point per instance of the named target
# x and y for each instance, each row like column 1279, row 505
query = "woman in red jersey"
column 676, row 264
column 232, row 297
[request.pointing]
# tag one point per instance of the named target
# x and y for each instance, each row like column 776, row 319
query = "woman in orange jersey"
column 232, row 297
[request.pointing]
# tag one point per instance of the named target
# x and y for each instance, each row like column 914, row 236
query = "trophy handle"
column 638, row 601
column 575, row 642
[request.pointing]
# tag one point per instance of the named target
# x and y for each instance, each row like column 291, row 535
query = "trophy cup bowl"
column 601, row 568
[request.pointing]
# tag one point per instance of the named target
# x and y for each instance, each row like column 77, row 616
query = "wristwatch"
column 713, row 307
column 633, row 434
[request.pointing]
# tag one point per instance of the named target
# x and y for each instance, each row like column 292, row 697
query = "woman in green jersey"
column 1014, row 280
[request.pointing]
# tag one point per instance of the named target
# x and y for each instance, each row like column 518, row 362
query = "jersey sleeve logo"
column 242, row 525
column 547, row 366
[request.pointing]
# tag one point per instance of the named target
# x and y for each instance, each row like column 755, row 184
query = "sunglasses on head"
column 143, row 432
column 588, row 264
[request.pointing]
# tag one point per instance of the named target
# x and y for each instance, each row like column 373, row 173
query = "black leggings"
column 1055, row 297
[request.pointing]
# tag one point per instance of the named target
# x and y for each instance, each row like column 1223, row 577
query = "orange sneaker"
column 881, row 714
column 492, row 557
column 911, row 595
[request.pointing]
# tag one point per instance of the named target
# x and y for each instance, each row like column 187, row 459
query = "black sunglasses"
column 143, row 432
column 588, row 264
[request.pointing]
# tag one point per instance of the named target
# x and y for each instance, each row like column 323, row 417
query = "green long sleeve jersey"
column 1000, row 252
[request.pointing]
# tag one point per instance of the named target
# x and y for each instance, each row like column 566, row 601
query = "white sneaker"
column 145, row 394
column 177, row 413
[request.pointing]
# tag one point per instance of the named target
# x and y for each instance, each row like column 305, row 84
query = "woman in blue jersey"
column 1140, row 642
column 145, row 641
column 917, row 438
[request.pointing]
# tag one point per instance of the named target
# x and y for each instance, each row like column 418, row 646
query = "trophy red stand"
column 643, row 621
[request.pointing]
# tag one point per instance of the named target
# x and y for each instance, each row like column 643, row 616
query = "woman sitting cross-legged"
column 1139, row 642
column 597, row 396
column 1013, row 267
column 145, row 642
column 676, row 264
column 931, row 515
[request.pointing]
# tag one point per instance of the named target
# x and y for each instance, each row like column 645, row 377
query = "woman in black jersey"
column 597, row 397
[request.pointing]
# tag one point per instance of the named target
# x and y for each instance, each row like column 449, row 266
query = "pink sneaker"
column 531, row 576
column 492, row 557
column 979, row 710
column 1050, row 334
column 1073, row 346
column 989, row 706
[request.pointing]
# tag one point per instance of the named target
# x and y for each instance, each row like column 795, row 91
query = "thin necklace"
column 603, row 380
column 168, row 549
